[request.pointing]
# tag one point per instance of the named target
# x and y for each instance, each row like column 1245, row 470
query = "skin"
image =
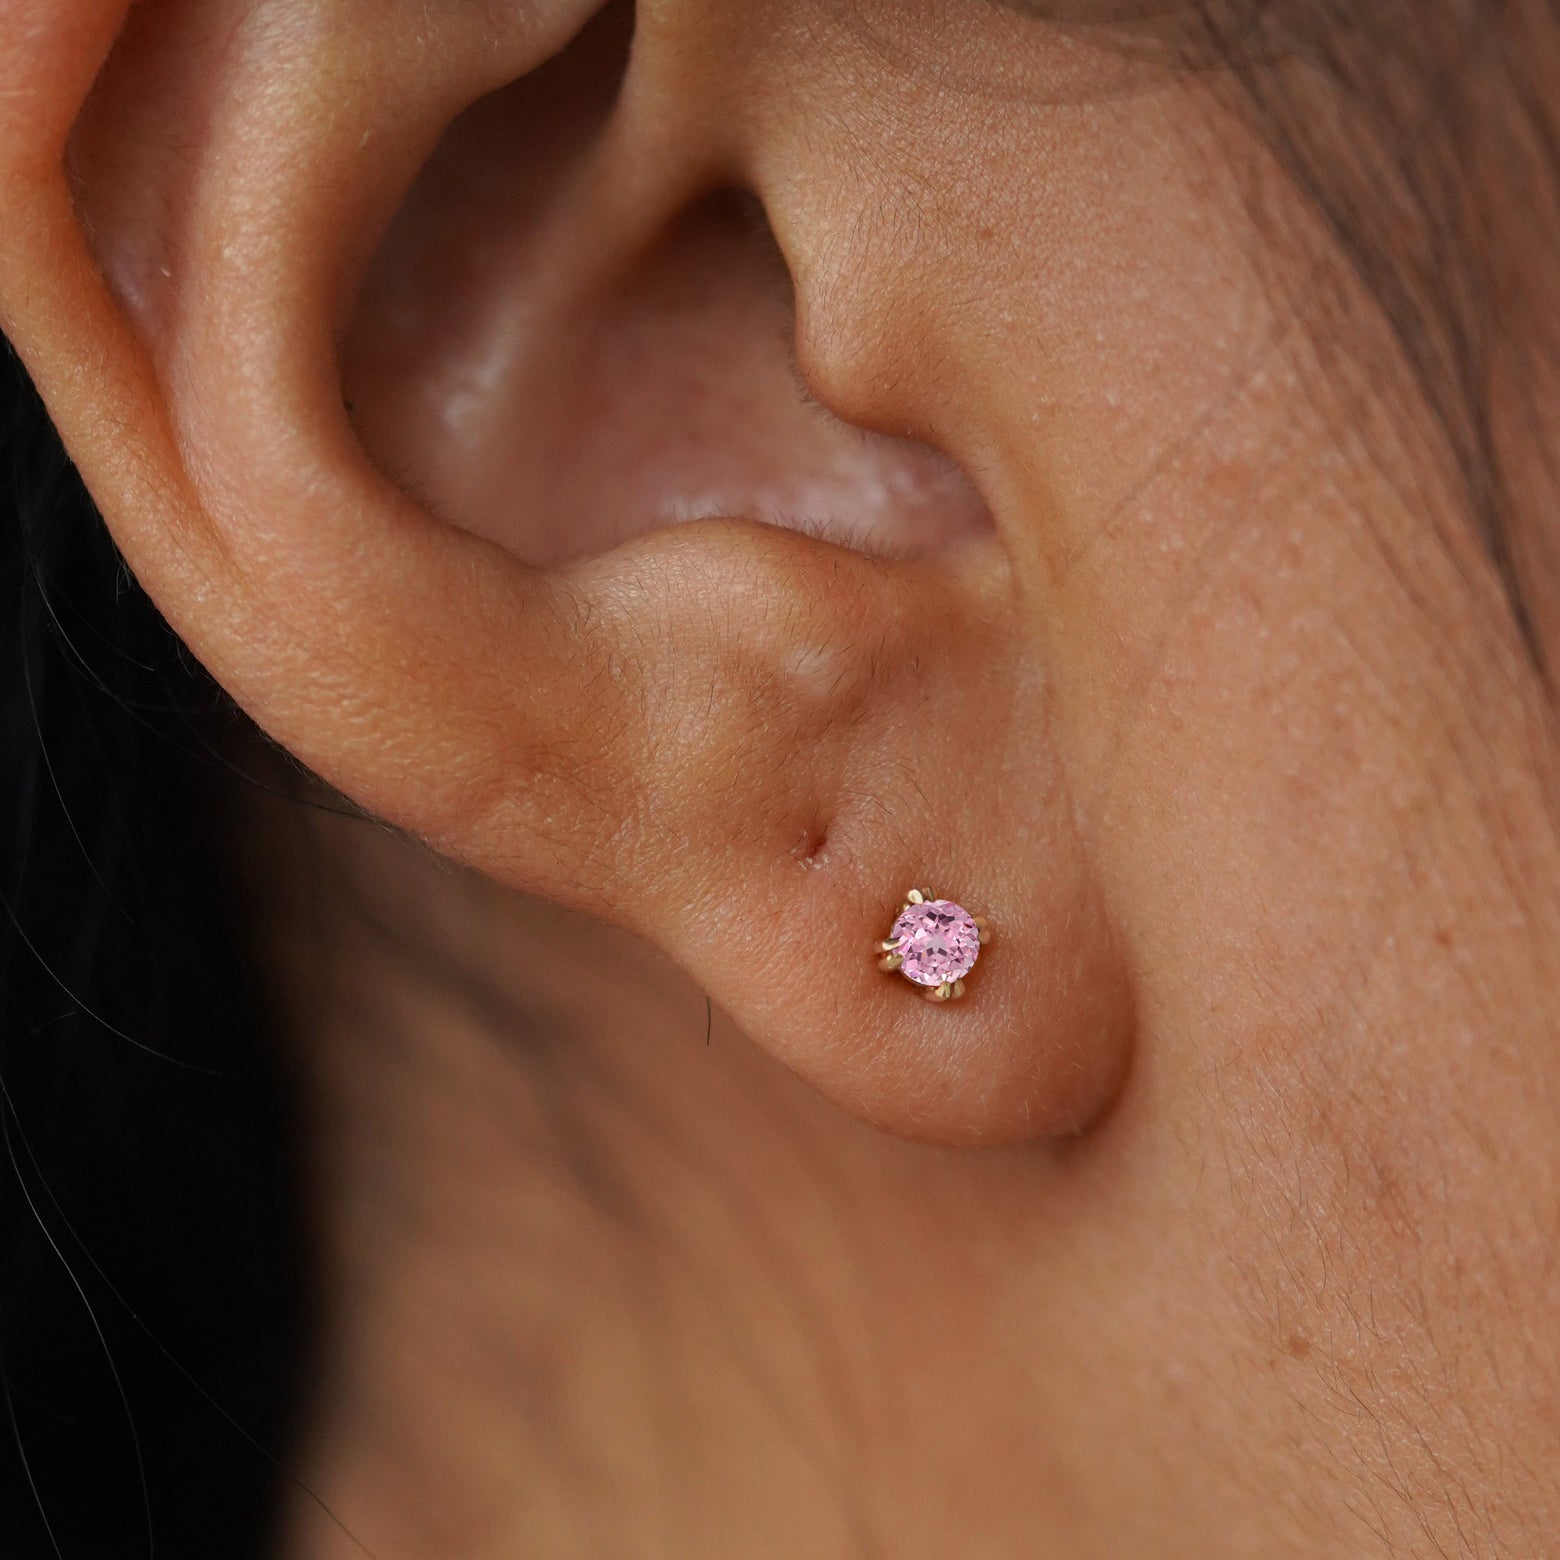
column 965, row 505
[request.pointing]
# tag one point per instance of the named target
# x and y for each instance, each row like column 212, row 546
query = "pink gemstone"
column 938, row 941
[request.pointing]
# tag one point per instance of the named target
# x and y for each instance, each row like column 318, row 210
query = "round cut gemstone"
column 938, row 941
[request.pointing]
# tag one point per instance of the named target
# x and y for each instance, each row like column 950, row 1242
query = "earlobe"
column 742, row 741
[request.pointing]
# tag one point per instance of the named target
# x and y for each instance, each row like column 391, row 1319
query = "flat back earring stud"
column 935, row 944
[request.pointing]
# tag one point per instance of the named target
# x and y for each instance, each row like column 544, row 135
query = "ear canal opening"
column 558, row 351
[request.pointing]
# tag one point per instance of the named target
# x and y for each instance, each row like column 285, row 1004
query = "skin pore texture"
column 694, row 473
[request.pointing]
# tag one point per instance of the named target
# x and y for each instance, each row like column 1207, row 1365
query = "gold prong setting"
column 934, row 944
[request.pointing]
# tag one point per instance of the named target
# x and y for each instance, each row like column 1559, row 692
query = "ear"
column 743, row 741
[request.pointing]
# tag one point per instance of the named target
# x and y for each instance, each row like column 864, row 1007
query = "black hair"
column 153, row 1272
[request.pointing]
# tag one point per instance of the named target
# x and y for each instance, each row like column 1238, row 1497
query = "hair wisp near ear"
column 737, row 739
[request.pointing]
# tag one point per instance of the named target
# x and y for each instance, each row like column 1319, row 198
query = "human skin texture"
column 702, row 486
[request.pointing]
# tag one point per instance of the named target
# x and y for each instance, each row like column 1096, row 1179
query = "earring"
column 935, row 944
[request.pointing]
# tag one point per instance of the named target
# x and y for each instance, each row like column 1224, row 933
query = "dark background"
column 153, row 1287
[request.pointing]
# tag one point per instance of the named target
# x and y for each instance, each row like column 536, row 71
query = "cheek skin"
column 1278, row 767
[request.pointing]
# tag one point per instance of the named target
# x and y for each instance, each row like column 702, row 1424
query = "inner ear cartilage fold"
column 934, row 944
